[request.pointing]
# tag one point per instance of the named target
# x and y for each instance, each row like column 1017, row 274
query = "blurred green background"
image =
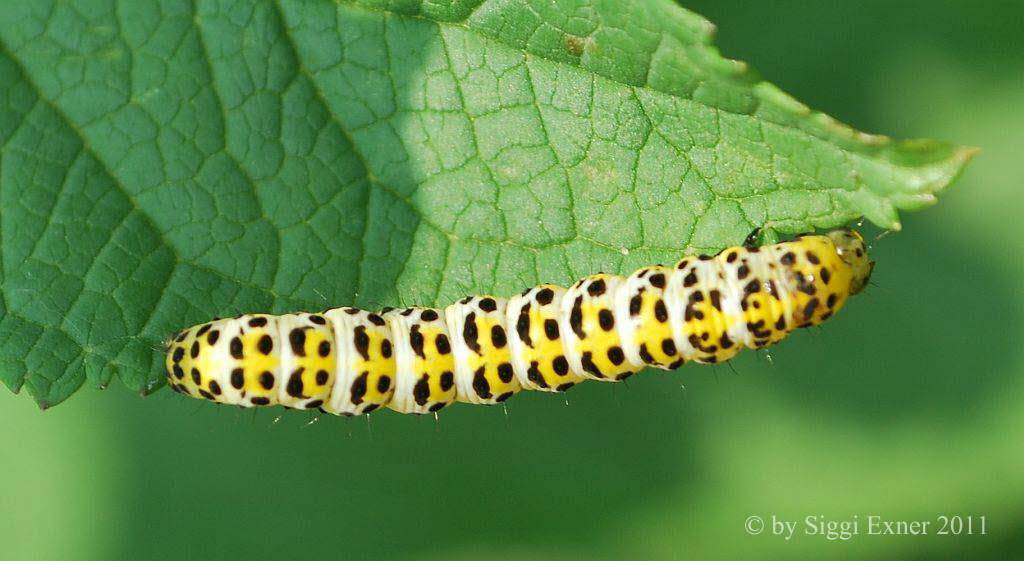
column 909, row 405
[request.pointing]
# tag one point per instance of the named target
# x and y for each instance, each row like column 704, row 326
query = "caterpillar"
column 483, row 349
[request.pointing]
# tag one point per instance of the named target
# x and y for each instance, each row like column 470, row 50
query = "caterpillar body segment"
column 484, row 349
column 483, row 361
column 643, row 312
column 307, row 360
column 424, row 365
column 538, row 356
column 364, row 362
column 590, row 336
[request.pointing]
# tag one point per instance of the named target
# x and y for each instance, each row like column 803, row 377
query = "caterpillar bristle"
column 484, row 349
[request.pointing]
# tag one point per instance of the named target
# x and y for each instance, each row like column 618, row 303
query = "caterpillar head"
column 854, row 252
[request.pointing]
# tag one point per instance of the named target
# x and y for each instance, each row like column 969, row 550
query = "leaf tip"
column 956, row 163
column 967, row 153
column 43, row 404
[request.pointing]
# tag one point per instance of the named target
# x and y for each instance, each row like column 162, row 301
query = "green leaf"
column 165, row 162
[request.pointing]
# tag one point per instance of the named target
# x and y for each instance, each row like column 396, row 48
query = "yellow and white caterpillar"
column 484, row 349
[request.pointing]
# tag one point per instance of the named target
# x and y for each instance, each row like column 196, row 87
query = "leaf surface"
column 165, row 162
